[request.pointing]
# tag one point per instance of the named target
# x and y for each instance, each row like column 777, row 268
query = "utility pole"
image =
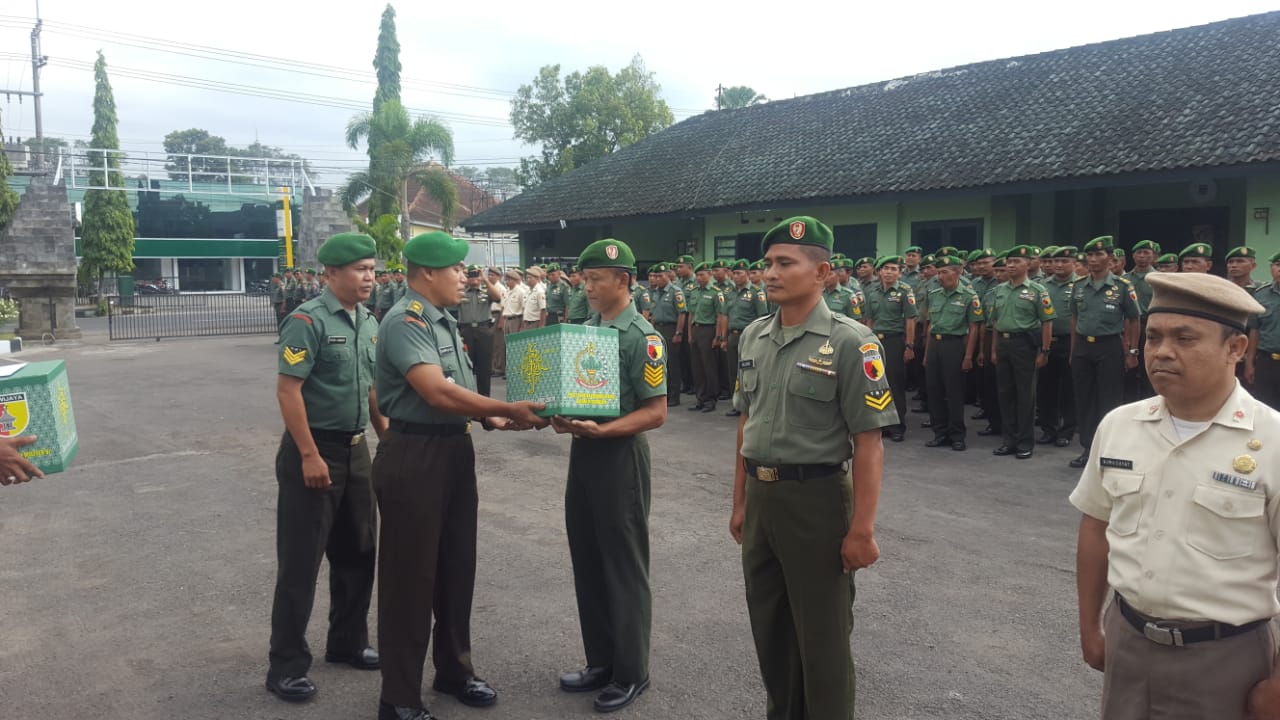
column 719, row 98
column 37, row 61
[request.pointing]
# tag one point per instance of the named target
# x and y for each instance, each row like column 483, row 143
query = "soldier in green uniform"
column 557, row 295
column 980, row 387
column 669, row 318
column 607, row 495
column 838, row 298
column 1196, row 257
column 1055, row 392
column 1022, row 318
column 641, row 299
column 891, row 312
column 371, row 304
column 743, row 304
column 398, row 281
column 1241, row 262
column 1104, row 340
column 1119, row 261
column 954, row 314
column 911, row 258
column 720, row 275
column 425, row 479
column 864, row 272
column 293, row 290
column 813, row 398
column 915, row 369
column 277, row 297
column 386, row 294
column 325, row 504
column 1136, row 384
column 576, row 308
column 1262, row 361
column 686, row 281
column 475, row 322
column 988, row 393
column 705, row 302
column 1167, row 262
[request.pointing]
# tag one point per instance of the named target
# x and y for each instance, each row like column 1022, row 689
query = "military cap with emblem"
column 436, row 249
column 741, row 265
column 889, row 260
column 1244, row 251
column 346, row 248
column 913, row 249
column 1167, row 258
column 1203, row 295
column 702, row 266
column 757, row 265
column 1146, row 245
column 799, row 230
column 948, row 261
column 864, row 261
column 999, row 261
column 311, row 271
column 838, row 256
column 981, row 253
column 1102, row 242
column 1065, row 251
column 946, row 250
column 1020, row 251
column 1049, row 251
column 607, row 253
column 277, row 275
column 688, row 259
column 1198, row 250
column 928, row 260
column 473, row 271
column 659, row 268
column 1035, row 249
column 846, row 264
column 1274, row 258
column 1118, row 252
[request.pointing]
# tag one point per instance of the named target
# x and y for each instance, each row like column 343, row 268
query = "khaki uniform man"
column 813, row 396
column 425, row 480
column 608, row 490
column 705, row 302
column 1181, row 517
column 512, row 316
column 1055, row 392
column 743, row 304
column 1262, row 362
column 669, row 317
column 325, row 505
column 955, row 319
column 535, row 301
column 1021, row 315
column 891, row 312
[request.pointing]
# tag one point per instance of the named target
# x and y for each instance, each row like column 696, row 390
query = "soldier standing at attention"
column 1118, row 261
column 1104, row 340
column 1241, row 262
column 1055, row 392
column 669, row 319
column 535, row 299
column 277, row 297
column 641, row 298
column 891, row 312
column 812, row 393
column 1179, row 518
column 743, row 305
column 576, row 308
column 686, row 282
column 705, row 302
column 425, row 480
column 839, row 298
column 476, row 324
column 1262, row 362
column 954, row 325
column 557, row 295
column 325, row 505
column 372, row 303
column 512, row 314
column 1196, row 257
column 988, row 391
column 1022, row 316
column 1168, row 262
column 1136, row 385
column 607, row 494
column 386, row 294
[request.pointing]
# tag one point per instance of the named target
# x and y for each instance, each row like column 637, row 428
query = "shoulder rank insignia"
column 655, row 368
column 878, row 399
column 414, row 307
column 294, row 355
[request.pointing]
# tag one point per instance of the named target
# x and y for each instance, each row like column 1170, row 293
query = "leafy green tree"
column 8, row 198
column 47, row 148
column 106, row 238
column 739, row 96
column 470, row 173
column 584, row 117
column 386, row 60
column 385, row 232
column 179, row 144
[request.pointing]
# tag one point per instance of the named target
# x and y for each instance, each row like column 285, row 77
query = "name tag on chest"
column 1116, row 463
column 337, row 339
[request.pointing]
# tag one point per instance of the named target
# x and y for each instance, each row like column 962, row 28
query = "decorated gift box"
column 36, row 400
column 572, row 368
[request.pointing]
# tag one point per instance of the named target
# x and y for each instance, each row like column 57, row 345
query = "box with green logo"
column 36, row 400
column 572, row 368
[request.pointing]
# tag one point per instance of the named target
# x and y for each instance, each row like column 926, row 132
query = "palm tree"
column 739, row 96
column 397, row 150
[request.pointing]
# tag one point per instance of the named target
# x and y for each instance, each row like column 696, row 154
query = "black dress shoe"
column 1062, row 442
column 673, row 402
column 393, row 712
column 1003, row 450
column 980, row 415
column 732, row 413
column 1023, row 455
column 587, row 679
column 292, row 689
column 695, row 407
column 897, row 436
column 958, row 446
column 709, row 407
column 618, row 696
column 473, row 691
column 988, row 431
column 366, row 659
column 1080, row 461
column 1046, row 438
column 938, row 442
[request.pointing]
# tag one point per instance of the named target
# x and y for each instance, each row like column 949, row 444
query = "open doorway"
column 1176, row 228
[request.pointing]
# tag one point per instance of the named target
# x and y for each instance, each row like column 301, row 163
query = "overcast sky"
column 464, row 60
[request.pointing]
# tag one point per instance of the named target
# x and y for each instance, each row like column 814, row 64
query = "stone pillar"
column 322, row 216
column 39, row 266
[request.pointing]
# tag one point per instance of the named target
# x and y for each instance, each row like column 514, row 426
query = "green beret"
column 472, row 271
column 702, row 267
column 1146, row 245
column 311, row 271
column 1066, row 251
column 757, row 265
column 928, row 260
column 946, row 250
column 720, row 265
column 346, row 248
column 799, row 230
column 1049, row 251
column 1274, row 258
column 1036, row 249
column 607, row 253
column 1025, row 252
column 864, row 261
column 1201, row 250
column 1118, row 252
column 741, row 265
column 659, row 268
column 1166, row 259
column 1101, row 243
column 981, row 253
column 914, row 249
column 436, row 249
column 947, row 261
column 1243, row 251
column 842, row 264
column 277, row 275
column 686, row 259
column 838, row 256
column 888, row 260
column 999, row 262
column 575, row 269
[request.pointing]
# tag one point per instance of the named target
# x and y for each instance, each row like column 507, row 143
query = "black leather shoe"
column 1003, row 450
column 988, row 431
column 292, row 689
column 696, row 406
column 392, row 712
column 1062, row 442
column 733, row 413
column 1023, row 455
column 618, row 696
column 938, row 442
column 1046, row 438
column 709, row 407
column 366, row 659
column 1080, row 461
column 473, row 691
column 980, row 415
column 897, row 436
column 587, row 679
column 673, row 402
column 958, row 446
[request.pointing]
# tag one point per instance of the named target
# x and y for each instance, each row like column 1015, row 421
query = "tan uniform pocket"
column 1126, row 501
column 1224, row 523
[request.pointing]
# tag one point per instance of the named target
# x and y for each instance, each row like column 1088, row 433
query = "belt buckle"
column 468, row 428
column 937, row 337
column 355, row 439
column 1004, row 335
column 766, row 474
column 1091, row 338
column 1275, row 356
column 880, row 335
column 1169, row 637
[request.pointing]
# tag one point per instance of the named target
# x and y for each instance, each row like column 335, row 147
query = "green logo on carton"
column 587, row 368
column 532, row 368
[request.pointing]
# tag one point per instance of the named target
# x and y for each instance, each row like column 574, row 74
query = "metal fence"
column 192, row 315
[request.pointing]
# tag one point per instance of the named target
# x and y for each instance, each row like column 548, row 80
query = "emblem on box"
column 533, row 367
column 588, row 370
column 14, row 414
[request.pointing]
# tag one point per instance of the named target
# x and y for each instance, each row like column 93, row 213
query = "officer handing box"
column 574, row 369
column 35, row 401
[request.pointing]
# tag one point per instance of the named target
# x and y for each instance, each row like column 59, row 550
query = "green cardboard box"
column 572, row 368
column 36, row 400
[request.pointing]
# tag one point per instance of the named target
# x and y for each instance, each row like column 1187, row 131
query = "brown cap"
column 1204, row 296
column 535, row 271
column 513, row 274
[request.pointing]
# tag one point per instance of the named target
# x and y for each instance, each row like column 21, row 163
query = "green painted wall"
column 1262, row 193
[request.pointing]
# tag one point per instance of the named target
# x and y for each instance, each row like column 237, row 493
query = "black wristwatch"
column 1044, row 351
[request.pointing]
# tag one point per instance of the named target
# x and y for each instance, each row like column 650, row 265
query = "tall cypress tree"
column 386, row 61
column 106, row 240
column 8, row 198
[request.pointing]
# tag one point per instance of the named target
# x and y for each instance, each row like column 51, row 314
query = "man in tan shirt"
column 535, row 302
column 512, row 313
column 1181, row 515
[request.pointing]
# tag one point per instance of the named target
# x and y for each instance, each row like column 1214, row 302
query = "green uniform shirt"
column 1142, row 287
column 704, row 304
column 888, row 309
column 558, row 296
column 1101, row 306
column 912, row 278
column 1020, row 308
column 386, row 296
column 577, row 309
column 640, row 298
column 401, row 289
column 475, row 306
column 332, row 350
column 988, row 297
column 277, row 294
column 668, row 303
column 803, row 398
column 687, row 285
column 841, row 300
column 642, row 358
column 725, row 287
column 951, row 311
column 1268, row 323
column 1060, row 295
column 743, row 306
column 414, row 332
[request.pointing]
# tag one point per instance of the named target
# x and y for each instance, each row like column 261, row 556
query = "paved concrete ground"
column 138, row 584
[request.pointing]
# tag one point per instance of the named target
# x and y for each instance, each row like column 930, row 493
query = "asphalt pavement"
column 138, row 583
